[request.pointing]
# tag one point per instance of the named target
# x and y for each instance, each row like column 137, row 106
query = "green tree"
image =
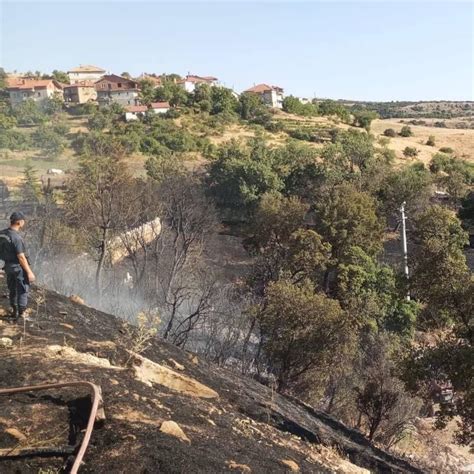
column 347, row 217
column 60, row 76
column 28, row 113
column 300, row 330
column 412, row 185
column 250, row 106
column 364, row 118
column 31, row 186
column 163, row 165
column 241, row 174
column 49, row 140
column 438, row 265
column 223, row 100
column 147, row 91
column 368, row 291
column 3, row 78
column 284, row 247
column 53, row 105
column 7, row 122
column 171, row 92
column 442, row 282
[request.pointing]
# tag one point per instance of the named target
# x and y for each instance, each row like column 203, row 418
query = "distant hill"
column 442, row 109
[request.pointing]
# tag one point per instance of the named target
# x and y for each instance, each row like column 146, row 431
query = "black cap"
column 17, row 216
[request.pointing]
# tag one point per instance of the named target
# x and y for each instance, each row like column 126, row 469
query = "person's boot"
column 13, row 314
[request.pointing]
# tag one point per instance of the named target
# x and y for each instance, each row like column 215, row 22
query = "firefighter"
column 17, row 268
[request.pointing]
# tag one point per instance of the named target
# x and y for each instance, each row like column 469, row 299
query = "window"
column 119, row 84
column 38, row 94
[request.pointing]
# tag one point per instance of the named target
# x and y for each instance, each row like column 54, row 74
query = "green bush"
column 363, row 118
column 410, row 152
column 28, row 113
column 294, row 105
column 446, row 149
column 301, row 134
column 275, row 126
column 7, row 121
column 390, row 132
column 431, row 141
column 15, row 140
column 49, row 140
column 406, row 131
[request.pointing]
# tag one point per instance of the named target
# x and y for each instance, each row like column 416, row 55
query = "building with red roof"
column 21, row 89
column 270, row 95
column 191, row 81
column 116, row 89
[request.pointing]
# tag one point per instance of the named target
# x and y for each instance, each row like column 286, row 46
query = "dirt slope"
column 228, row 423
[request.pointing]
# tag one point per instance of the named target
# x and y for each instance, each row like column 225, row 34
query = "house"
column 191, row 81
column 270, row 95
column 133, row 111
column 115, row 89
column 160, row 107
column 21, row 89
column 80, row 92
column 85, row 73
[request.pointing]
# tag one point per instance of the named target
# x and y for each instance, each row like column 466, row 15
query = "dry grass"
column 461, row 141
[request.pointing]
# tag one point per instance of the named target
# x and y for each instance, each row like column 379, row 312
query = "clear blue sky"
column 357, row 50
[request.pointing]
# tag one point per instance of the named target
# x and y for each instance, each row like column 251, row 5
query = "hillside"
column 230, row 423
column 312, row 131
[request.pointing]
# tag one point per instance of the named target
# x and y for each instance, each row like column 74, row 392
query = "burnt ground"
column 233, row 424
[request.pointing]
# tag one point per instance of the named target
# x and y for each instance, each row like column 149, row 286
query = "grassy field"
column 461, row 141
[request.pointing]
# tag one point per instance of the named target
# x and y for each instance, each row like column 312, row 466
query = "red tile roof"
column 18, row 83
column 127, row 84
column 160, row 105
column 260, row 88
column 136, row 108
column 198, row 79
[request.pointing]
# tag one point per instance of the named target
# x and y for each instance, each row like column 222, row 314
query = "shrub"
column 28, row 113
column 406, row 131
column 172, row 113
column 390, row 132
column 275, row 126
column 431, row 141
column 301, row 134
column 363, row 118
column 49, row 140
column 15, row 140
column 295, row 106
column 410, row 152
column 6, row 121
column 446, row 149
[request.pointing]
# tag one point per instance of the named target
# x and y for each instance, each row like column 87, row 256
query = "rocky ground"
column 166, row 410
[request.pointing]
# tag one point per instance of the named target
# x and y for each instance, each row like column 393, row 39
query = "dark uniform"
column 17, row 280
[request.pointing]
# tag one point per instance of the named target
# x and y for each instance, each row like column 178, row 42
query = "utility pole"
column 404, row 245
